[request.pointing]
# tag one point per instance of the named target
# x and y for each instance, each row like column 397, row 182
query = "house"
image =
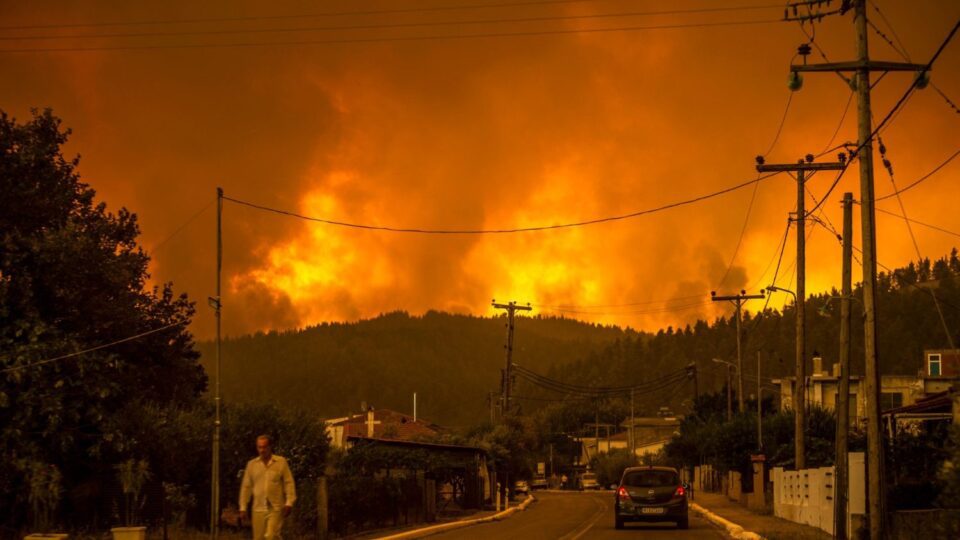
column 466, row 473
column 382, row 424
column 940, row 373
column 650, row 434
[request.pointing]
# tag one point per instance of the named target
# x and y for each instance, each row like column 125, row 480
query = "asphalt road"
column 573, row 515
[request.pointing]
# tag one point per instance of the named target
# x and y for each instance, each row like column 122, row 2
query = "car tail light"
column 680, row 492
column 623, row 494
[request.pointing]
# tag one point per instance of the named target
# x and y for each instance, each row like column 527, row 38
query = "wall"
column 807, row 496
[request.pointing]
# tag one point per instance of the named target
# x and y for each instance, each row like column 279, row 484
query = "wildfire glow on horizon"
column 487, row 132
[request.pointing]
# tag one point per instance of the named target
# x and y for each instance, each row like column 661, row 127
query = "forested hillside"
column 451, row 361
column 908, row 324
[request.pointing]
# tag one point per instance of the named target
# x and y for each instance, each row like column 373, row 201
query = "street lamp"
column 774, row 288
column 730, row 365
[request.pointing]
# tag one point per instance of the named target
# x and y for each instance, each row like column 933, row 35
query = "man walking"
column 269, row 481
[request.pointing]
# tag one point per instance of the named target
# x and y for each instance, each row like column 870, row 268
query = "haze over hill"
column 451, row 361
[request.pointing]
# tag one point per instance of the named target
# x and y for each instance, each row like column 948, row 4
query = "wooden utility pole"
column 692, row 373
column 738, row 301
column 799, row 393
column 841, row 472
column 759, row 407
column 511, row 309
column 216, row 304
column 862, row 67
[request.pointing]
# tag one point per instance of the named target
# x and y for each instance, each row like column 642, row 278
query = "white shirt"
column 271, row 484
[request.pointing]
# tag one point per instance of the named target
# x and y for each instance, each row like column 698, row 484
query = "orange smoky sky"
column 476, row 129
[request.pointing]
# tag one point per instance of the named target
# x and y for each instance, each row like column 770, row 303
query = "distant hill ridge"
column 450, row 360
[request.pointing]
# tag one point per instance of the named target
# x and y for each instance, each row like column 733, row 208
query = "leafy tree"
column 73, row 278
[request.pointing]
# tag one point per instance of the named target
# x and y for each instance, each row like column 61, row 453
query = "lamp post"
column 730, row 366
column 799, row 394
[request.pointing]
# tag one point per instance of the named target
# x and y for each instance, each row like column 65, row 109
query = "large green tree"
column 73, row 278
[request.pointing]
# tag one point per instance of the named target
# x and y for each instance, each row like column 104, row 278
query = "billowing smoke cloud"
column 480, row 134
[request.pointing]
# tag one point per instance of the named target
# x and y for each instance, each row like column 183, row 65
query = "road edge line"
column 734, row 530
column 453, row 525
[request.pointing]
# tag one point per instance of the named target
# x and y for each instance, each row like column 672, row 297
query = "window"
column 890, row 400
column 651, row 479
column 933, row 364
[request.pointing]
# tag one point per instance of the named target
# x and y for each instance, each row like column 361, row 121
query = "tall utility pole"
column 511, row 309
column 692, row 373
column 633, row 443
column 799, row 394
column 216, row 304
column 841, row 472
column 738, row 301
column 862, row 67
column 759, row 407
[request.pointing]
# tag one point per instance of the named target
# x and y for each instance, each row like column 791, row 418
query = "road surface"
column 572, row 515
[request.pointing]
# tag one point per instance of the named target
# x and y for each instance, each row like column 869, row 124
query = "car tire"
column 683, row 523
column 618, row 523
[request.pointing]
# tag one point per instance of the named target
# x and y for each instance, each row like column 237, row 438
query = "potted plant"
column 44, row 496
column 132, row 474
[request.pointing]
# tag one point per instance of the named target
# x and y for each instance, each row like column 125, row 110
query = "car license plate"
column 651, row 510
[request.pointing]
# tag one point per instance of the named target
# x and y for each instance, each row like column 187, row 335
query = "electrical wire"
column 91, row 349
column 395, row 11
column 392, row 39
column 377, row 26
column 182, row 226
column 915, row 222
column 604, row 306
column 913, row 237
column 743, row 229
column 559, row 386
column 843, row 116
column 665, row 309
column 903, row 99
column 412, row 230
column 901, row 49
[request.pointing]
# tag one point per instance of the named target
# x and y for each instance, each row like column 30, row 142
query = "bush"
column 609, row 467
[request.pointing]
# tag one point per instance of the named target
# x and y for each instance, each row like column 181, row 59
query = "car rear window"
column 650, row 479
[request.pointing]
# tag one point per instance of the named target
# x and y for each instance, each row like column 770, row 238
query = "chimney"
column 817, row 365
column 370, row 423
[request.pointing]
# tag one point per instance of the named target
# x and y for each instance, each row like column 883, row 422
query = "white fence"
column 807, row 496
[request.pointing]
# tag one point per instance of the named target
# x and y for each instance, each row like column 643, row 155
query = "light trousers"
column 267, row 524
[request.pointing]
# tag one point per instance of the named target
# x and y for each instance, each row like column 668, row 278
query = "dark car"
column 650, row 494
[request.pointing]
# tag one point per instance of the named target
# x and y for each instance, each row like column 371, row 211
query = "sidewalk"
column 767, row 526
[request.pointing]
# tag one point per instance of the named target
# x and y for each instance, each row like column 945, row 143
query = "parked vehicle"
column 538, row 482
column 589, row 481
column 651, row 494
column 521, row 486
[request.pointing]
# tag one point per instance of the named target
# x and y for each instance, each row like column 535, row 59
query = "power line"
column 913, row 237
column 352, row 13
column 843, row 116
column 902, row 51
column 743, row 229
column 437, row 37
column 412, row 230
column 897, row 192
column 369, row 26
column 893, row 111
column 604, row 306
column 91, row 349
column 665, row 309
column 921, row 223
column 182, row 226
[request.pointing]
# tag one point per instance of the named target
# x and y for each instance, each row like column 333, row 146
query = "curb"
column 734, row 530
column 443, row 527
